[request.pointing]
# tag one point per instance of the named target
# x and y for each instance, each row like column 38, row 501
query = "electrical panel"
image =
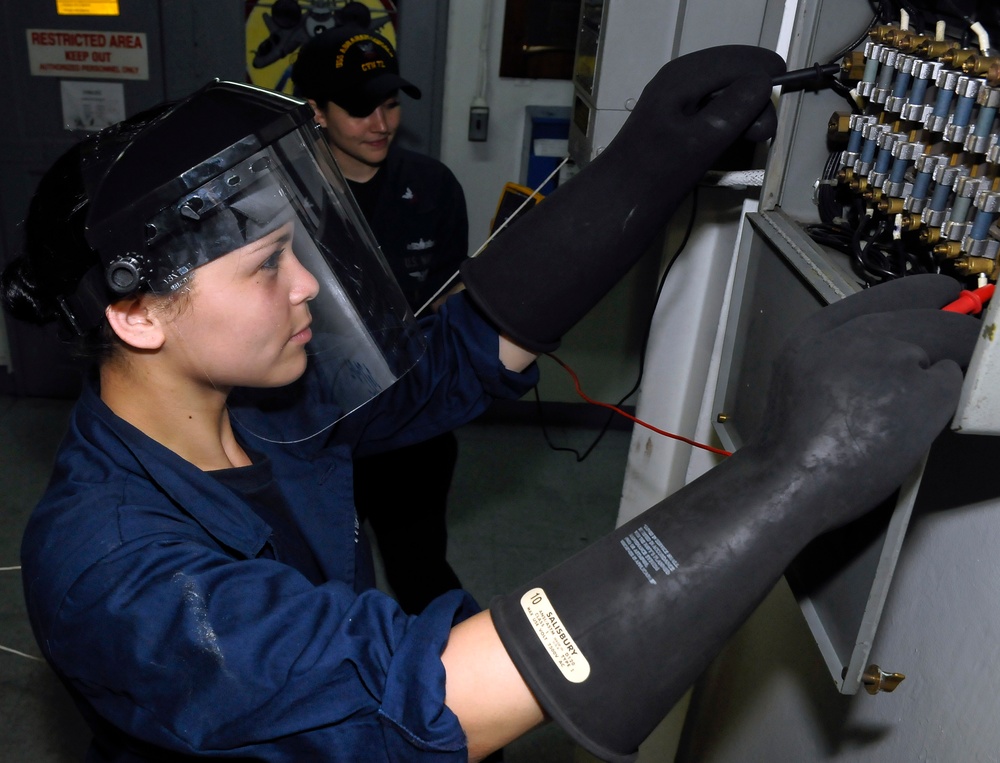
column 888, row 169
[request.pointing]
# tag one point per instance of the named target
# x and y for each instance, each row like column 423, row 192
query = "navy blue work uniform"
column 186, row 630
column 416, row 209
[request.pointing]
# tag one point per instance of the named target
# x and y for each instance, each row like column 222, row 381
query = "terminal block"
column 917, row 177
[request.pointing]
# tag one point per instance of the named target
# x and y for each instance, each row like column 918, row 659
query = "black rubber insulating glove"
column 610, row 640
column 547, row 270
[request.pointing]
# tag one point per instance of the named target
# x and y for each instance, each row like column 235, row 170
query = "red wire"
column 640, row 422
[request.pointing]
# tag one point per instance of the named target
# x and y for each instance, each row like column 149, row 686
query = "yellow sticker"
column 554, row 637
column 87, row 7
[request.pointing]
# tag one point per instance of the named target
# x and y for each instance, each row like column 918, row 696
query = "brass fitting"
column 890, row 205
column 910, row 42
column 838, row 126
column 975, row 265
column 979, row 66
column 909, row 221
column 886, row 34
column 876, row 680
column 959, row 58
column 853, row 65
column 935, row 48
column 949, row 250
column 992, row 74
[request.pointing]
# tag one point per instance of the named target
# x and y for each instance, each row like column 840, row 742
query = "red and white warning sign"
column 94, row 55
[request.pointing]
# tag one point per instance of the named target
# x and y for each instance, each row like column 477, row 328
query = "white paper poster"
column 92, row 106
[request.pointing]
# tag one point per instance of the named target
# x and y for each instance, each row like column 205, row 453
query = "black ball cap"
column 354, row 68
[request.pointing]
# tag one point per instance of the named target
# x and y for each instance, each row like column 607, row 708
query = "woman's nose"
column 378, row 120
column 305, row 287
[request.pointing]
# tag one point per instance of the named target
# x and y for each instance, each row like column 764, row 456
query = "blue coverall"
column 154, row 594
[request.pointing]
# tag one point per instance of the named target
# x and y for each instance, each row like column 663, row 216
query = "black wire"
column 848, row 48
column 826, row 196
column 917, row 18
column 969, row 20
column 836, row 237
column 857, row 262
column 877, row 9
column 642, row 352
column 873, row 255
column 845, row 90
column 877, row 256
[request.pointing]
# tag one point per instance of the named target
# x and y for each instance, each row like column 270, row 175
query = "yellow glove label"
column 554, row 637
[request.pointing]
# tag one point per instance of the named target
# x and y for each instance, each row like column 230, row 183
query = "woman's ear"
column 135, row 323
column 318, row 116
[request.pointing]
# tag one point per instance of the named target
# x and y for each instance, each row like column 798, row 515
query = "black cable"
column 878, row 16
column 642, row 352
column 874, row 256
column 857, row 263
column 917, row 18
column 848, row 94
column 817, row 75
column 867, row 257
column 969, row 19
column 826, row 195
column 834, row 236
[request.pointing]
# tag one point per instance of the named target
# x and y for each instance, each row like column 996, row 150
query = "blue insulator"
column 885, row 77
column 963, row 111
column 942, row 104
column 869, row 148
column 960, row 209
column 939, row 201
column 984, row 122
column 871, row 67
column 854, row 142
column 883, row 160
column 902, row 84
column 898, row 174
column 981, row 225
column 919, row 91
column 921, row 184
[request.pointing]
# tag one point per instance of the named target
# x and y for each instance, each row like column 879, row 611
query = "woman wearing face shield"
column 195, row 572
column 250, row 341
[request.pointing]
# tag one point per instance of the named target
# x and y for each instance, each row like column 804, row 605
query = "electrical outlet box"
column 479, row 121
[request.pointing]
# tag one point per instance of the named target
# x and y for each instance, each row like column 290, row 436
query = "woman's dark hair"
column 39, row 286
column 35, row 286
column 56, row 254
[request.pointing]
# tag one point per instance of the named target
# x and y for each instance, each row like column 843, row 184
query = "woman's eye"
column 272, row 262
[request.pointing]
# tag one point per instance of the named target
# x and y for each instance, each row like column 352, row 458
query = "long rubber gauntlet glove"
column 544, row 273
column 610, row 640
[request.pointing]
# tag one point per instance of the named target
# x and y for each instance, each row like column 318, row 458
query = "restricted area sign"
column 94, row 55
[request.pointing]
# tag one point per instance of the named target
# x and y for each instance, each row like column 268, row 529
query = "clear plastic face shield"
column 363, row 334
column 278, row 234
